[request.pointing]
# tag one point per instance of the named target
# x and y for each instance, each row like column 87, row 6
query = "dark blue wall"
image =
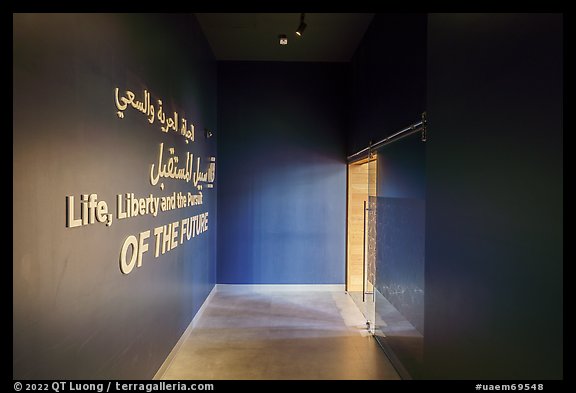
column 76, row 316
column 494, row 236
column 388, row 79
column 402, row 168
column 282, row 173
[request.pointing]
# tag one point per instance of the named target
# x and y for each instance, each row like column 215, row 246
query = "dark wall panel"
column 494, row 247
column 75, row 314
column 282, row 195
column 388, row 78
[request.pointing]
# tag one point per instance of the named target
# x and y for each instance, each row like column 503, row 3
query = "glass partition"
column 396, row 241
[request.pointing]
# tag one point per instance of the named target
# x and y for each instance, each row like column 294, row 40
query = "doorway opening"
column 359, row 275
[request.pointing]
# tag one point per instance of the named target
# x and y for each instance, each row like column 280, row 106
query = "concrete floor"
column 280, row 334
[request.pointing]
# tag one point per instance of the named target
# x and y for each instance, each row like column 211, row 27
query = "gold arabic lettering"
column 144, row 106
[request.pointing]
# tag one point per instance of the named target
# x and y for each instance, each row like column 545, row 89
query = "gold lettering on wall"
column 170, row 169
column 167, row 123
column 89, row 208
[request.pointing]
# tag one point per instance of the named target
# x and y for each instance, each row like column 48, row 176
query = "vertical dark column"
column 494, row 196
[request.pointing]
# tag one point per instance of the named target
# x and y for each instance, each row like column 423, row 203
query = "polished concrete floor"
column 280, row 334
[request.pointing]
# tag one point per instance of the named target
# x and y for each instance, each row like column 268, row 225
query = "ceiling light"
column 302, row 26
column 283, row 39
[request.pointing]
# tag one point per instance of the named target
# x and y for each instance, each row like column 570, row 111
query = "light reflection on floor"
column 247, row 334
column 395, row 331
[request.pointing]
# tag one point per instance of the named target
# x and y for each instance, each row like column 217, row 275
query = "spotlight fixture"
column 207, row 133
column 283, row 39
column 302, row 26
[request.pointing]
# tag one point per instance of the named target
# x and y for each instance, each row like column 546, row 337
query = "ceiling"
column 254, row 37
